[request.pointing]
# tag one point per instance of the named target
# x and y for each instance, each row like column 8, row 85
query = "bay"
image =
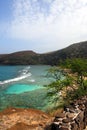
column 23, row 86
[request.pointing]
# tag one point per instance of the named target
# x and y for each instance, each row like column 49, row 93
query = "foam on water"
column 22, row 75
column 14, row 79
column 21, row 88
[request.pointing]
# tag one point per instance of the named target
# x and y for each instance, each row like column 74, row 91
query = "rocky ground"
column 23, row 119
column 73, row 117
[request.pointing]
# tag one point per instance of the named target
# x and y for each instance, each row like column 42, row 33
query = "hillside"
column 77, row 50
column 19, row 58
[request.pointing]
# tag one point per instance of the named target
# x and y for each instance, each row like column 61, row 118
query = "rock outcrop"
column 74, row 117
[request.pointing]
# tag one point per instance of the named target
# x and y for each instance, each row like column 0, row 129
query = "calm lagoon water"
column 23, row 86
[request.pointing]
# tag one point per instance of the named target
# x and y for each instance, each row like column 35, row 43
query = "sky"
column 41, row 25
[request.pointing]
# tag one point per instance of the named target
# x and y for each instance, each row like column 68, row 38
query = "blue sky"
column 41, row 25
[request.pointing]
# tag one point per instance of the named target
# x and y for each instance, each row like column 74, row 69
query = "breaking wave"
column 22, row 75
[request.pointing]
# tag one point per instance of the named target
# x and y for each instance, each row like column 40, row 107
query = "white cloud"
column 51, row 21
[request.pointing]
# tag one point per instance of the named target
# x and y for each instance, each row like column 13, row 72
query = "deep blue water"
column 23, row 86
column 9, row 72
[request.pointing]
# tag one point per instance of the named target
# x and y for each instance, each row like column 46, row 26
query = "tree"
column 56, row 73
column 74, row 85
column 79, row 66
column 61, row 81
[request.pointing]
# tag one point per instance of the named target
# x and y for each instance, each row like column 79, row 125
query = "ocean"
column 23, row 87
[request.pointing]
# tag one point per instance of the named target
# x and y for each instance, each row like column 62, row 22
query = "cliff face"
column 78, row 50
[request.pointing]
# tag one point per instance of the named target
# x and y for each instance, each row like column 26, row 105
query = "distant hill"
column 77, row 50
column 19, row 58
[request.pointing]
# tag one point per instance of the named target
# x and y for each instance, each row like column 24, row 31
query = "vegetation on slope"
column 73, row 85
column 78, row 50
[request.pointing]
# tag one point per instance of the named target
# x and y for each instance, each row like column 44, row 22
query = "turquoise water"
column 23, row 86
